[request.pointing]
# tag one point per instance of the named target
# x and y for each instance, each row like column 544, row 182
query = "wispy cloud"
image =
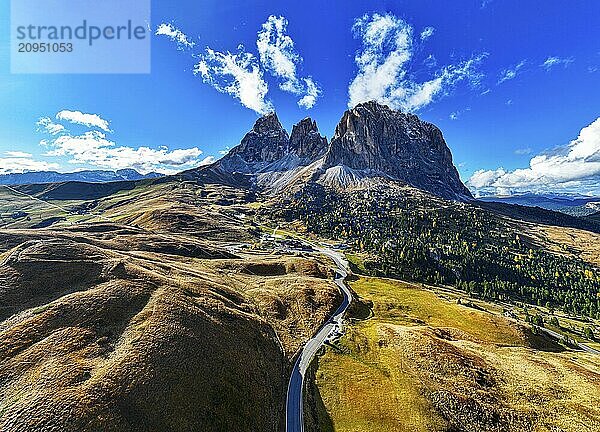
column 89, row 120
column 523, row 151
column 237, row 74
column 280, row 58
column 241, row 74
column 311, row 94
column 574, row 165
column 176, row 35
column 455, row 115
column 17, row 154
column 511, row 72
column 553, row 61
column 383, row 67
column 430, row 61
column 427, row 33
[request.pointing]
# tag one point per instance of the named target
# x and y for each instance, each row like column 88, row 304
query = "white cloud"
column 383, row 61
column 93, row 148
column 89, row 120
column 17, row 154
column 430, row 61
column 19, row 163
column 312, row 93
column 485, row 178
column 511, row 72
column 207, row 160
column 556, row 61
column 241, row 74
column 571, row 167
column 238, row 75
column 427, row 33
column 176, row 35
column 523, row 151
column 46, row 124
column 279, row 57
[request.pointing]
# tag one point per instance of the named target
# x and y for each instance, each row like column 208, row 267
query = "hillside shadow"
column 316, row 417
column 542, row 342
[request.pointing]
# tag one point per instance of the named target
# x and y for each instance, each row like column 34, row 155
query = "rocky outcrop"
column 306, row 141
column 266, row 142
column 372, row 137
column 267, row 147
column 371, row 141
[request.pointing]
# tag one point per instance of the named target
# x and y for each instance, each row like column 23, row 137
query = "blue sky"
column 510, row 83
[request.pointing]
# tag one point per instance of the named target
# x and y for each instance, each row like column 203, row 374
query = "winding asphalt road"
column 294, row 405
column 558, row 336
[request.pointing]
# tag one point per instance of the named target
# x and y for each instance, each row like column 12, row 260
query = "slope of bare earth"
column 140, row 317
column 422, row 363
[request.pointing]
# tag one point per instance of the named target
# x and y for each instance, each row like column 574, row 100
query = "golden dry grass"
column 571, row 241
column 422, row 363
column 114, row 327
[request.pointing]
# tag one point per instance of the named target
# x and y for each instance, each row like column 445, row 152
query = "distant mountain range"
column 371, row 143
column 576, row 205
column 88, row 176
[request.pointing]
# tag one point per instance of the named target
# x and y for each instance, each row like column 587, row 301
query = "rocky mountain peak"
column 267, row 141
column 269, row 123
column 306, row 141
column 399, row 145
column 370, row 141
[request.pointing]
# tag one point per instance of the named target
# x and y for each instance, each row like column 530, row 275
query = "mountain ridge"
column 89, row 176
column 371, row 142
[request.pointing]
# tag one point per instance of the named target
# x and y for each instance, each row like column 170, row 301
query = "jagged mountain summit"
column 268, row 143
column 371, row 142
column 372, row 137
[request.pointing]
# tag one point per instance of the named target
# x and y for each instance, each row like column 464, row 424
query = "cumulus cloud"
column 553, row 61
column 427, row 33
column 383, row 67
column 18, row 162
column 237, row 74
column 89, row 120
column 176, row 35
column 570, row 167
column 511, row 72
column 94, row 148
column 47, row 125
column 279, row 57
